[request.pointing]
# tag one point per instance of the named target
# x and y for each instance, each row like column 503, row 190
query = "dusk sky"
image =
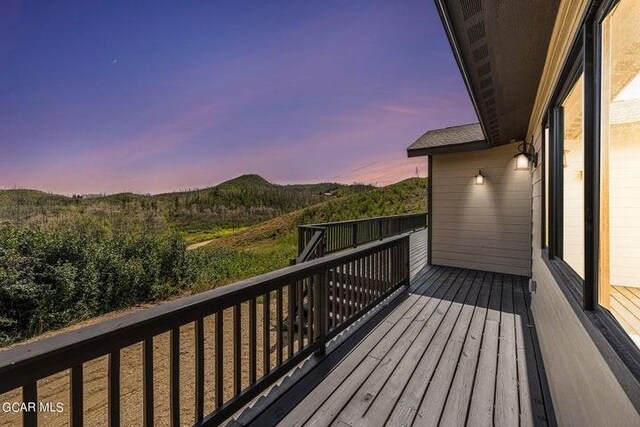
column 153, row 96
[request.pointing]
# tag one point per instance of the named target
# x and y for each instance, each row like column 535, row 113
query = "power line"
column 357, row 169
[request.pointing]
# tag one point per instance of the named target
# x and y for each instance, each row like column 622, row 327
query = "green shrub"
column 49, row 278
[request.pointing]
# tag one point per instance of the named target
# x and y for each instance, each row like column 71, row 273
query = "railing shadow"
column 279, row 401
column 504, row 298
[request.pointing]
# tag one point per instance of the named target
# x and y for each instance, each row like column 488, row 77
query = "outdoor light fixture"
column 526, row 153
column 479, row 178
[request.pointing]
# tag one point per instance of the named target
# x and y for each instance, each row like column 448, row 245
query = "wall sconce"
column 526, row 154
column 479, row 178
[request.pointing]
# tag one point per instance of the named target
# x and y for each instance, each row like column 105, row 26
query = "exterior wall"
column 583, row 387
column 485, row 227
column 624, row 201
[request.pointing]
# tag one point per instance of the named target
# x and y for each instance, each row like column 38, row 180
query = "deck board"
column 482, row 398
column 625, row 306
column 436, row 394
column 507, row 402
column 460, row 348
column 402, row 361
column 459, row 395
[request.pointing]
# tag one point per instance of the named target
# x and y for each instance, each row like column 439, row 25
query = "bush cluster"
column 49, row 278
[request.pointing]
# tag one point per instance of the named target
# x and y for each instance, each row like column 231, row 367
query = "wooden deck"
column 625, row 306
column 457, row 348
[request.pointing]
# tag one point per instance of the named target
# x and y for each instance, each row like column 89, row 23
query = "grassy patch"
column 197, row 236
column 220, row 265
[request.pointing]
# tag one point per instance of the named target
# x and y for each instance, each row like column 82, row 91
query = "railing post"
column 320, row 308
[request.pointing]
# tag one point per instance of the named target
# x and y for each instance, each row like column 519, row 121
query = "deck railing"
column 338, row 288
column 349, row 234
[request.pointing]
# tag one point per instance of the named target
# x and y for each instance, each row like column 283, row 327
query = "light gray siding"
column 583, row 387
column 485, row 227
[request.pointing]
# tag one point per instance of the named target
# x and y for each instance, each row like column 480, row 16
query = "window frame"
column 615, row 334
column 571, row 72
column 585, row 56
column 544, row 217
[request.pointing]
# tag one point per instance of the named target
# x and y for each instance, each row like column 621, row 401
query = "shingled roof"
column 448, row 140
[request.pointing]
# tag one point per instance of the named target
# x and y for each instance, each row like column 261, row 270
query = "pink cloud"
column 401, row 109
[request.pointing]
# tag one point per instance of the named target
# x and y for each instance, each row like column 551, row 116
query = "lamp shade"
column 522, row 162
column 479, row 178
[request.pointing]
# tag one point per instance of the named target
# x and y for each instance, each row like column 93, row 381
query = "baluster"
column 334, row 297
column 174, row 338
column 114, row 389
column 310, row 306
column 147, row 373
column 266, row 333
column 291, row 321
column 219, row 355
column 199, row 362
column 320, row 307
column 339, row 294
column 376, row 269
column 76, row 396
column 300, row 310
column 360, row 284
column 279, row 326
column 30, row 394
column 347, row 290
column 253, row 335
column 407, row 261
column 237, row 349
column 355, row 234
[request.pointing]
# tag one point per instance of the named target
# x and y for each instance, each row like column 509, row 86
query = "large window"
column 619, row 269
column 573, row 178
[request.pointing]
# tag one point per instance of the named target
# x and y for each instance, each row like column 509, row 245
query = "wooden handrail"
column 340, row 288
column 341, row 235
column 375, row 218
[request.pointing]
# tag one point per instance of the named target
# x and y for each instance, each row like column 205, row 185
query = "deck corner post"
column 320, row 307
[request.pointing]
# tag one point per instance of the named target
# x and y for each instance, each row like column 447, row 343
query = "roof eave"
column 444, row 149
column 448, row 29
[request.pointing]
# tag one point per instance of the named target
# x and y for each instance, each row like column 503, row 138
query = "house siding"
column 583, row 387
column 485, row 227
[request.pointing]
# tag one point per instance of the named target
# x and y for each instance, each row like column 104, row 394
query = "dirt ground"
column 56, row 388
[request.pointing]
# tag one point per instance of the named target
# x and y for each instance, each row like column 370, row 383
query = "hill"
column 71, row 258
column 407, row 196
column 271, row 244
column 196, row 214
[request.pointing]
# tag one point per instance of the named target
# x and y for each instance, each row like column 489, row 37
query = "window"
column 619, row 257
column 573, row 178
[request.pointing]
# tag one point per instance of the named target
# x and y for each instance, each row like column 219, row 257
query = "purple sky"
column 147, row 96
